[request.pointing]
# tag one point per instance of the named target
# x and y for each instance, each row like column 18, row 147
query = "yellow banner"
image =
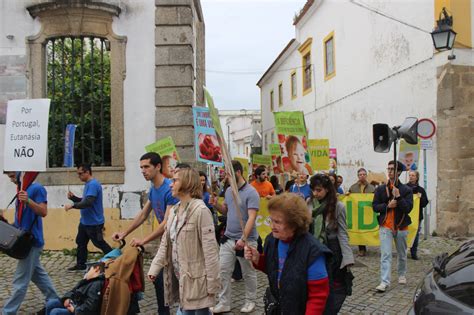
column 263, row 219
column 362, row 224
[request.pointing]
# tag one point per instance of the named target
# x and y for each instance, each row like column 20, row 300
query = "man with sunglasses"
column 92, row 220
column 392, row 203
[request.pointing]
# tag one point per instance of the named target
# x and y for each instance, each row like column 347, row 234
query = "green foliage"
column 78, row 83
column 70, row 252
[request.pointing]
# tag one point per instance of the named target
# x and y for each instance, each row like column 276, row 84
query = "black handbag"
column 270, row 303
column 15, row 242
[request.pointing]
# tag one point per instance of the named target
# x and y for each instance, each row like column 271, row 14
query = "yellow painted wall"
column 461, row 12
column 60, row 227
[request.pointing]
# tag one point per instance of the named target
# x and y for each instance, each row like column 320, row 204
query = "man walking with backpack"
column 31, row 207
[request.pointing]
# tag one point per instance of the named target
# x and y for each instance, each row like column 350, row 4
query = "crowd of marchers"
column 207, row 242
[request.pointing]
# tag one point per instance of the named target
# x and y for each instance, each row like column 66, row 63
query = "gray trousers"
column 227, row 261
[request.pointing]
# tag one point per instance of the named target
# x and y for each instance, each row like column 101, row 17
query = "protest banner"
column 225, row 153
column 332, row 160
column 245, row 166
column 69, row 136
column 26, row 135
column 362, row 225
column 166, row 149
column 275, row 149
column 259, row 159
column 292, row 133
column 319, row 151
column 205, row 139
column 409, row 154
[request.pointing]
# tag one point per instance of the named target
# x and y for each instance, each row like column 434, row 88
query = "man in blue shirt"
column 34, row 201
column 160, row 201
column 92, row 216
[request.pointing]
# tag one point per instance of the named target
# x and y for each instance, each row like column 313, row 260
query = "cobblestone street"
column 397, row 300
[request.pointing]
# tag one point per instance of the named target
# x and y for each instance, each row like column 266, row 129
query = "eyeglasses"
column 80, row 173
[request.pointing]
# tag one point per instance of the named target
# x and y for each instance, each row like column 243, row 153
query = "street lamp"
column 443, row 36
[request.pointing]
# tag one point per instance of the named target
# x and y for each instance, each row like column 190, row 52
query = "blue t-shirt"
column 340, row 190
column 206, row 197
column 38, row 194
column 95, row 214
column 250, row 200
column 316, row 271
column 160, row 198
column 304, row 191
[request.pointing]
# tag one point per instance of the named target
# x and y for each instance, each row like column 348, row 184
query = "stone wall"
column 455, row 112
column 179, row 60
column 12, row 81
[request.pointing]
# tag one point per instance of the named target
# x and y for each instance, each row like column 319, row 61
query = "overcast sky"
column 243, row 38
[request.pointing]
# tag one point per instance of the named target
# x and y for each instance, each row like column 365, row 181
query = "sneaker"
column 77, row 268
column 402, row 280
column 220, row 308
column 248, row 307
column 381, row 287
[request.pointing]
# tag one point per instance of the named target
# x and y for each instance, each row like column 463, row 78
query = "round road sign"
column 426, row 128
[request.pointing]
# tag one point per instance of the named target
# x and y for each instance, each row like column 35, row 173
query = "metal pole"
column 425, row 186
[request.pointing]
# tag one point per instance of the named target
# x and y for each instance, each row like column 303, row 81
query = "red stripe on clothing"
column 318, row 292
column 261, row 264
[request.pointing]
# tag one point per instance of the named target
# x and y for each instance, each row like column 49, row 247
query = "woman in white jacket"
column 188, row 251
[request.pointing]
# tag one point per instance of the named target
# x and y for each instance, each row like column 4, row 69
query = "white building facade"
column 353, row 64
column 239, row 128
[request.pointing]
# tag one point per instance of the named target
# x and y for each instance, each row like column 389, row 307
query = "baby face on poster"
column 294, row 154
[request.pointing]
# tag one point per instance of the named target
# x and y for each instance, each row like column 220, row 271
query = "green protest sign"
column 275, row 149
column 258, row 159
column 214, row 113
column 290, row 123
column 164, row 147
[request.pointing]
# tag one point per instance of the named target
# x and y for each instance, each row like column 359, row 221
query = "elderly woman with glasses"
column 188, row 251
column 294, row 261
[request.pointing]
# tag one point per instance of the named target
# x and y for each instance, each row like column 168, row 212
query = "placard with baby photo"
column 292, row 136
column 409, row 155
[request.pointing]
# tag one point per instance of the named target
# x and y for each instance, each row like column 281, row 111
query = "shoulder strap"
column 32, row 224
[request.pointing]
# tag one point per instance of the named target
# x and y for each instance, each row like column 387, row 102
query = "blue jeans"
column 202, row 311
column 55, row 307
column 29, row 269
column 386, row 239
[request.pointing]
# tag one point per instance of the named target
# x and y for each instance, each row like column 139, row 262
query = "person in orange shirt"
column 392, row 203
column 261, row 184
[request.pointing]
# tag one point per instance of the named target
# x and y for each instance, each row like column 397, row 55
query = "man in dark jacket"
column 413, row 178
column 84, row 298
column 392, row 203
